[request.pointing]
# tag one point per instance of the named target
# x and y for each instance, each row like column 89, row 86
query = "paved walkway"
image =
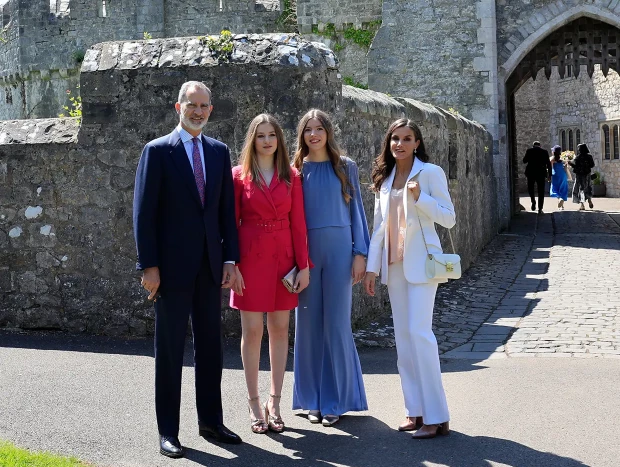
column 546, row 287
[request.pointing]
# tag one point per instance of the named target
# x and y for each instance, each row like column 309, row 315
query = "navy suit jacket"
column 171, row 227
column 538, row 163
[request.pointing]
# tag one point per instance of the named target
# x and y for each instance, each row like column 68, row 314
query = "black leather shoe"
column 219, row 433
column 170, row 446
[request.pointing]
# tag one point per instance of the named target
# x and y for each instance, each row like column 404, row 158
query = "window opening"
column 606, row 142
column 103, row 8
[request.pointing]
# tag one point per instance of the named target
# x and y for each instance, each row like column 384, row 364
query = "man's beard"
column 190, row 124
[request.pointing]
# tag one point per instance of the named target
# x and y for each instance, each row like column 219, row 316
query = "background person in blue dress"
column 559, row 177
column 328, row 375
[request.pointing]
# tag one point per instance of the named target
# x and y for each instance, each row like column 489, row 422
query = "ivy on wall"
column 287, row 21
column 362, row 37
column 4, row 34
column 351, row 82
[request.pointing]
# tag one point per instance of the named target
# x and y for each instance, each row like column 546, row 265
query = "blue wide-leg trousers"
column 328, row 375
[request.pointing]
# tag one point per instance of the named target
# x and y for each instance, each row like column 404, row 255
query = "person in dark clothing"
column 538, row 171
column 582, row 167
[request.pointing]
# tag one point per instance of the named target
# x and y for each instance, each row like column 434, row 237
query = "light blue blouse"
column 325, row 206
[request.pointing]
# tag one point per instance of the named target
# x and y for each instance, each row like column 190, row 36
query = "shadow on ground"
column 371, row 442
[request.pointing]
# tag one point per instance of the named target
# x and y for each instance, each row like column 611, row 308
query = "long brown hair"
column 385, row 162
column 249, row 164
column 333, row 151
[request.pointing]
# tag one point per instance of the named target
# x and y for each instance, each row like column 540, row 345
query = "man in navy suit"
column 538, row 171
column 186, row 237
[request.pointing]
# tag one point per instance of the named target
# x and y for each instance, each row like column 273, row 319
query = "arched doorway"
column 580, row 43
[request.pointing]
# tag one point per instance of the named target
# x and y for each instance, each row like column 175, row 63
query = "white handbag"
column 441, row 265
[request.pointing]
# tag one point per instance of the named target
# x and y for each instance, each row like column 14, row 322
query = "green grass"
column 12, row 456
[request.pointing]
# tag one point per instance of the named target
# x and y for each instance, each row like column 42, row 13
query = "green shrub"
column 351, row 82
column 287, row 21
column 221, row 46
column 78, row 56
column 364, row 36
column 75, row 109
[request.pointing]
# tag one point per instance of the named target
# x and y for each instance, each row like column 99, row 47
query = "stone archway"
column 579, row 36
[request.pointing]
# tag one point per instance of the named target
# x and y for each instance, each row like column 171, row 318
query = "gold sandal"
column 274, row 423
column 257, row 425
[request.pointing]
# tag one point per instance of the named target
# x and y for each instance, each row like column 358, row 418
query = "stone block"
column 46, row 260
column 485, row 9
column 117, row 158
column 482, row 63
column 6, row 284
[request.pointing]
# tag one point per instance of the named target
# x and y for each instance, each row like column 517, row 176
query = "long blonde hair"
column 333, row 150
column 250, row 170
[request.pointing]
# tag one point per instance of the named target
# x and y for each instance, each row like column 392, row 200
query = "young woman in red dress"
column 272, row 240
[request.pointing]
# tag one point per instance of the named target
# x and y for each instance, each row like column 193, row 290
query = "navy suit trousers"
column 200, row 301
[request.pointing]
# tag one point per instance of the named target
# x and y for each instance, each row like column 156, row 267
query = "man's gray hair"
column 191, row 84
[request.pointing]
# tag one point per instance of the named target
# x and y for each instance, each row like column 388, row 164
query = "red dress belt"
column 266, row 225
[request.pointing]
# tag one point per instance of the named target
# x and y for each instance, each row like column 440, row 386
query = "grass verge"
column 12, row 456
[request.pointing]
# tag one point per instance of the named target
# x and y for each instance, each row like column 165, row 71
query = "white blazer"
column 433, row 206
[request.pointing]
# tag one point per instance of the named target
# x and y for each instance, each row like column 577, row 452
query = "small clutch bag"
column 289, row 279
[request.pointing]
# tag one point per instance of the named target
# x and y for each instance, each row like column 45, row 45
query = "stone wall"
column 66, row 242
column 431, row 59
column 10, row 97
column 352, row 58
column 445, row 53
column 532, row 118
column 41, row 59
column 341, row 13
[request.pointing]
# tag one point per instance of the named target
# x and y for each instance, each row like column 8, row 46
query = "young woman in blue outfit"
column 328, row 375
column 559, row 178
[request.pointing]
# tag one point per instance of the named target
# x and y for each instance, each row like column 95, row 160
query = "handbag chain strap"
column 424, row 237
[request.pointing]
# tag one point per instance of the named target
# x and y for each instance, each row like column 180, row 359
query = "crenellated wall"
column 42, row 56
column 67, row 254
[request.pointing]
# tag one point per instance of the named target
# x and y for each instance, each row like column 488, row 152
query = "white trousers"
column 416, row 346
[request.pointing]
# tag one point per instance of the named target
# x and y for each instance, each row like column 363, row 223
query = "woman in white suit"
column 411, row 196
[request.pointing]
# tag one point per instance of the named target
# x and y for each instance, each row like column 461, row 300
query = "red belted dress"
column 272, row 239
